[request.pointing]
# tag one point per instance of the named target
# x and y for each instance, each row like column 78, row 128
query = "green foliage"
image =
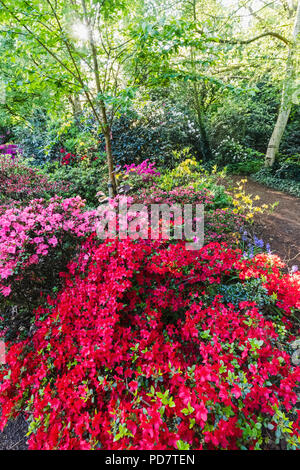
column 266, row 176
column 290, row 144
column 189, row 172
column 229, row 151
column 249, row 167
column 86, row 180
column 246, row 118
column 47, row 135
column 288, row 167
column 152, row 131
column 240, row 292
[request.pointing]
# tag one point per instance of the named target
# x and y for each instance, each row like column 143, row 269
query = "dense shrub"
column 288, row 168
column 220, row 224
column 246, row 118
column 189, row 173
column 20, row 182
column 43, row 139
column 37, row 140
column 231, row 152
column 249, row 167
column 133, row 177
column 36, row 243
column 146, row 358
column 290, row 144
column 266, row 176
column 154, row 132
column 178, row 195
column 84, row 180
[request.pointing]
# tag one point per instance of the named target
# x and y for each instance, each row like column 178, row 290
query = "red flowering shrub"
column 142, row 359
column 286, row 287
column 69, row 159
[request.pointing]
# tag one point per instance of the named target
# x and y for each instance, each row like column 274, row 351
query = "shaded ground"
column 14, row 435
column 281, row 228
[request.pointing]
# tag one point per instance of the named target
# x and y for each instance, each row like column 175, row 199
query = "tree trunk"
column 110, row 161
column 76, row 106
column 104, row 124
column 112, row 181
column 286, row 97
column 205, row 145
column 198, row 105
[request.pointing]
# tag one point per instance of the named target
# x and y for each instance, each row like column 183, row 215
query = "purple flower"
column 251, row 251
column 257, row 242
column 294, row 269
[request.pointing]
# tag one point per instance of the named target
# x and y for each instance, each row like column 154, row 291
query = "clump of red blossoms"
column 70, row 159
column 142, row 360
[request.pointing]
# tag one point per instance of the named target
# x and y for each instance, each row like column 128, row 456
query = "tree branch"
column 247, row 41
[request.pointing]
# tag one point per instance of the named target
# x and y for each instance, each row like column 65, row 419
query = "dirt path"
column 282, row 228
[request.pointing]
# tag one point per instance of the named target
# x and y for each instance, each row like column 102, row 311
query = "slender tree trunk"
column 108, row 150
column 104, row 124
column 286, row 97
column 76, row 105
column 205, row 144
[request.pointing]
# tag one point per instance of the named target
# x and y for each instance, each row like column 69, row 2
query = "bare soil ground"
column 14, row 435
column 281, row 228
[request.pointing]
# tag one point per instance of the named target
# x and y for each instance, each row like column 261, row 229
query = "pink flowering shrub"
column 179, row 195
column 10, row 149
column 36, row 243
column 136, row 176
column 144, row 169
column 133, row 355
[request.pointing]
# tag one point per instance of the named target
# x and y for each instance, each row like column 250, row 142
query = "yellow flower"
column 247, row 200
